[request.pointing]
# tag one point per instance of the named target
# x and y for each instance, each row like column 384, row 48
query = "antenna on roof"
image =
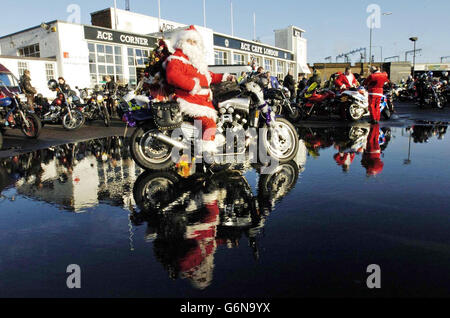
column 127, row 5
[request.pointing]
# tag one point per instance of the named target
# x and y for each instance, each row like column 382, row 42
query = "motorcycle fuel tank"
column 240, row 103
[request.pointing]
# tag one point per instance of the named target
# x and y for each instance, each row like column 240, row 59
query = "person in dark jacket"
column 110, row 89
column 63, row 85
column 289, row 83
column 28, row 89
column 315, row 78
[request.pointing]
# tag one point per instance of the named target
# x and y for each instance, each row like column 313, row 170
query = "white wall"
column 37, row 71
column 75, row 67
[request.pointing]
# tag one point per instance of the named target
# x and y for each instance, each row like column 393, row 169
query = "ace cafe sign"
column 106, row 35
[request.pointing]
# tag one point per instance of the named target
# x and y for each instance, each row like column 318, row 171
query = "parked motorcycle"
column 279, row 100
column 95, row 108
column 355, row 103
column 242, row 111
column 14, row 115
column 314, row 102
column 65, row 109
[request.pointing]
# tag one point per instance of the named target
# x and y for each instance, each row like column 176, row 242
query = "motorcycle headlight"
column 99, row 98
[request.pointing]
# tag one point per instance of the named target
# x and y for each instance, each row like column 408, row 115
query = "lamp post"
column 370, row 45
column 414, row 40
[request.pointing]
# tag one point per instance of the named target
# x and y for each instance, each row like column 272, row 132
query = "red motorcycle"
column 313, row 101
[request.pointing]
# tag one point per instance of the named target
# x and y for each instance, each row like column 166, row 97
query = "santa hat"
column 190, row 33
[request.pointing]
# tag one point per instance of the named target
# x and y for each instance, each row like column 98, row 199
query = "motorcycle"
column 14, row 115
column 64, row 109
column 241, row 109
column 314, row 102
column 355, row 103
column 95, row 108
column 433, row 92
column 279, row 101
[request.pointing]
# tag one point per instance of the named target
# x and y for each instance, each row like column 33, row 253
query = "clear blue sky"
column 332, row 26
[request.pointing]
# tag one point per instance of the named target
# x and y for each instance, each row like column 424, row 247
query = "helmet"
column 445, row 74
column 58, row 102
column 52, row 84
column 430, row 74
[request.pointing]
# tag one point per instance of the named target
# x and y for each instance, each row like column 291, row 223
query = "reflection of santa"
column 198, row 263
column 187, row 71
column 371, row 159
column 344, row 159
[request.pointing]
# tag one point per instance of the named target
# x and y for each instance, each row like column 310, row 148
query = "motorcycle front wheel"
column 75, row 122
column 106, row 117
column 281, row 140
column 295, row 116
column 153, row 191
column 354, row 112
column 149, row 152
column 32, row 128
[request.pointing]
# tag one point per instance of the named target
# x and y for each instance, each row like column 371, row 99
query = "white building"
column 119, row 42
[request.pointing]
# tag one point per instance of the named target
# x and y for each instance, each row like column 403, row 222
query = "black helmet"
column 52, row 84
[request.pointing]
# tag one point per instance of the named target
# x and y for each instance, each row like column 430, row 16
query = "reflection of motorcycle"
column 422, row 132
column 188, row 218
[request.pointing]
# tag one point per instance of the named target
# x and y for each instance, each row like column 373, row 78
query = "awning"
column 303, row 68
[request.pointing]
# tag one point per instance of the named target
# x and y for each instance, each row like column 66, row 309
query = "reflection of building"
column 83, row 54
column 83, row 184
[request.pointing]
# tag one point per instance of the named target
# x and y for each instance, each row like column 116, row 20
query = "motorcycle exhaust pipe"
column 170, row 141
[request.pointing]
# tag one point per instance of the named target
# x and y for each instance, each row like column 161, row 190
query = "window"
column 281, row 69
column 238, row 59
column 291, row 67
column 30, row 51
column 49, row 71
column 137, row 58
column 105, row 60
column 220, row 57
column 269, row 65
column 22, row 67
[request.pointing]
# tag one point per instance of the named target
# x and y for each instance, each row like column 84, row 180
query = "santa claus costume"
column 187, row 71
column 346, row 81
column 371, row 159
column 375, row 83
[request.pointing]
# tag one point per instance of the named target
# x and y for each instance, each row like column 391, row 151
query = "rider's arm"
column 175, row 76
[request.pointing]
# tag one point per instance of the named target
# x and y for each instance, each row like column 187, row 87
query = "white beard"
column 196, row 55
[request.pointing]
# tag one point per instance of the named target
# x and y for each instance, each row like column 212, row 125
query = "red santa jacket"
column 191, row 86
column 343, row 80
column 375, row 83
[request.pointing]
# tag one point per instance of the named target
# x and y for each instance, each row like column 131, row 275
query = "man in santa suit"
column 346, row 80
column 371, row 159
column 187, row 71
column 375, row 83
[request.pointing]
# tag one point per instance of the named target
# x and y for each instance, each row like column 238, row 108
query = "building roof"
column 50, row 59
column 29, row 29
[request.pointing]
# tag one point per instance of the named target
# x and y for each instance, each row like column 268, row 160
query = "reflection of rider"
column 371, row 159
column 344, row 159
